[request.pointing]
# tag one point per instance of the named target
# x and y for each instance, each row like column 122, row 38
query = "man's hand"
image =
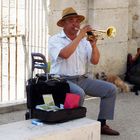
column 84, row 30
column 91, row 38
column 93, row 42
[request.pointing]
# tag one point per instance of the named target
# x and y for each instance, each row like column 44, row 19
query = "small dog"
column 115, row 80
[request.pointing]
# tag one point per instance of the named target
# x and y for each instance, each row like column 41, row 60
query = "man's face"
column 70, row 25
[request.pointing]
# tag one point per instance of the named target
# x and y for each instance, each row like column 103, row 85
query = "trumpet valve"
column 90, row 36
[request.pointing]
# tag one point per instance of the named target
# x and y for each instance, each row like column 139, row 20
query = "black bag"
column 36, row 87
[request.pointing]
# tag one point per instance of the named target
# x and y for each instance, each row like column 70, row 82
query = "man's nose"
column 75, row 23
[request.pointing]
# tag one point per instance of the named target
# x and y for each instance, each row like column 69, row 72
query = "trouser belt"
column 74, row 77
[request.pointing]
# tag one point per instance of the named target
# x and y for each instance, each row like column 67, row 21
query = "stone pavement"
column 127, row 116
column 126, row 121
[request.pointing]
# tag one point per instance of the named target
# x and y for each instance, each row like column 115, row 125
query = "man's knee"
column 113, row 90
column 81, row 93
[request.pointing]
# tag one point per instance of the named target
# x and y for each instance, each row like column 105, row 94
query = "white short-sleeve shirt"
column 76, row 63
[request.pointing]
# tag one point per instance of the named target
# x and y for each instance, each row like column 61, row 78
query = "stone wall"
column 124, row 15
column 134, row 26
column 55, row 11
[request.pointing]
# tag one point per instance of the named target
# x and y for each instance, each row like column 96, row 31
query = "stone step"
column 79, row 129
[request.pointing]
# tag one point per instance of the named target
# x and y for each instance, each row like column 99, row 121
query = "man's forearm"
column 67, row 51
column 95, row 56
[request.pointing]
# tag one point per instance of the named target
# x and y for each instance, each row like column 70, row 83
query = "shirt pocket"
column 82, row 53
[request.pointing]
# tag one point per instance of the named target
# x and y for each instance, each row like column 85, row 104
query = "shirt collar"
column 62, row 34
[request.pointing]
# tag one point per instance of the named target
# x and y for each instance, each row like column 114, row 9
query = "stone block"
column 102, row 19
column 76, row 4
column 107, row 4
column 132, row 46
column 136, row 22
column 79, row 129
column 134, row 3
column 113, row 58
column 130, row 23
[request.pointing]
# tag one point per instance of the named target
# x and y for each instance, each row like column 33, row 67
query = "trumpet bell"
column 101, row 34
column 111, row 31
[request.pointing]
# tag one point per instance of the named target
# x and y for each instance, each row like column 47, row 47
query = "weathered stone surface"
column 87, row 128
column 136, row 22
column 113, row 58
column 132, row 46
column 97, row 4
column 76, row 4
column 124, row 15
column 134, row 3
column 102, row 19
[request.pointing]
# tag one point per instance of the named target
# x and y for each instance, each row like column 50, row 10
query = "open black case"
column 36, row 87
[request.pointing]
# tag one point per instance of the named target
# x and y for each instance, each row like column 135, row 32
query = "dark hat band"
column 72, row 14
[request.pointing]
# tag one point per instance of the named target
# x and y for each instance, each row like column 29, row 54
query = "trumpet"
column 100, row 34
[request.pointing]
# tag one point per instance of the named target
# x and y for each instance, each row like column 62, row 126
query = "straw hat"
column 67, row 13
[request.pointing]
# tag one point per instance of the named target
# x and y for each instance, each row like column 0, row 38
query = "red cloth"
column 71, row 100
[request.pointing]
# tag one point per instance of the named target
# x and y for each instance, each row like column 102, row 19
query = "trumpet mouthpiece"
column 77, row 29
